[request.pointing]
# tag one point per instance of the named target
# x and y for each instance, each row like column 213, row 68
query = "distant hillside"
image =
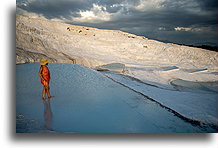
column 92, row 47
column 208, row 47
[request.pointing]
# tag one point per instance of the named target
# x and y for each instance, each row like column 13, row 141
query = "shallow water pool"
column 88, row 102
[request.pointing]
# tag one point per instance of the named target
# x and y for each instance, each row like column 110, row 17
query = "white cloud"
column 145, row 5
column 96, row 14
column 183, row 29
column 162, row 28
column 193, row 29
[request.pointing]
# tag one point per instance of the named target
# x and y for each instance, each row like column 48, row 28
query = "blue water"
column 88, row 102
column 201, row 87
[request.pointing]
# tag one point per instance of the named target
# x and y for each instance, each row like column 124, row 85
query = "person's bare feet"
column 43, row 98
column 50, row 97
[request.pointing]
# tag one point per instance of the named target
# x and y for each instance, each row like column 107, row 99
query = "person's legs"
column 43, row 93
column 48, row 91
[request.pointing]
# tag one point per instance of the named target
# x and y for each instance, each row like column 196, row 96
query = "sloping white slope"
column 93, row 47
column 57, row 39
column 196, row 104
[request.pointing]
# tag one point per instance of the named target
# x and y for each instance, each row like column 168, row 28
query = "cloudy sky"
column 178, row 21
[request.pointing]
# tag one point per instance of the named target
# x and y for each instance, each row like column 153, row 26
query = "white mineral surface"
column 179, row 77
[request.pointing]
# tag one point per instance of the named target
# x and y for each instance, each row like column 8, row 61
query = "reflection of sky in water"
column 193, row 70
column 200, row 87
column 87, row 101
column 47, row 115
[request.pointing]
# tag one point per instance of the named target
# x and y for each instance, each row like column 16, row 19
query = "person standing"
column 44, row 75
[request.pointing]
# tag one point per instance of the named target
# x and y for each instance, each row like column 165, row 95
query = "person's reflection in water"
column 47, row 114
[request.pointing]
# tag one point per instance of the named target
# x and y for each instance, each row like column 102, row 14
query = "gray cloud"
column 55, row 8
column 153, row 19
